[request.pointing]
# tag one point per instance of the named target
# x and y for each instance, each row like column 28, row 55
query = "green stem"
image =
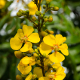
column 39, row 30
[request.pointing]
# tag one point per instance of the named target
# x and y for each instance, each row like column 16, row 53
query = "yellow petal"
column 32, row 8
column 29, row 77
column 15, row 43
column 60, row 70
column 56, row 57
column 20, row 33
column 45, row 49
column 27, row 30
column 49, row 40
column 38, row 71
column 59, row 39
column 32, row 12
column 60, row 76
column 24, row 69
column 34, row 38
column 25, row 60
column 27, row 46
column 64, row 49
column 44, row 78
column 56, row 65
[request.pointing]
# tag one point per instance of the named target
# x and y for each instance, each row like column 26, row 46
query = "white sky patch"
column 2, row 31
column 72, row 15
column 66, row 70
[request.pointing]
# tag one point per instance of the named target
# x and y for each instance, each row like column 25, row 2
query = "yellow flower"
column 24, row 69
column 2, row 3
column 27, row 61
column 32, row 8
column 55, row 43
column 25, row 36
column 25, row 64
column 58, row 74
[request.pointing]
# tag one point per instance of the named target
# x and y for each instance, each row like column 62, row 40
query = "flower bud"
column 45, row 19
column 44, row 6
column 41, row 16
column 19, row 14
column 50, row 19
column 43, row 25
column 18, row 54
column 37, row 13
column 56, row 8
column 34, row 18
column 43, row 33
column 18, row 77
column 34, row 76
column 50, row 32
column 35, row 54
column 20, row 10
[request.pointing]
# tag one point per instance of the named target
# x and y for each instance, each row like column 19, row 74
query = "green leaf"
column 73, row 39
column 3, row 66
column 3, row 20
column 5, row 45
column 11, row 25
column 74, row 50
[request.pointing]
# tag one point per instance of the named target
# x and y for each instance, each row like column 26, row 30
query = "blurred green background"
column 66, row 21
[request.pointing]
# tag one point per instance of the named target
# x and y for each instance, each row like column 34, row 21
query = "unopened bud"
column 44, row 6
column 50, row 19
column 20, row 10
column 33, row 18
column 18, row 77
column 34, row 76
column 38, row 13
column 49, row 31
column 18, row 54
column 43, row 25
column 19, row 14
column 56, row 8
column 41, row 15
column 45, row 19
column 43, row 33
column 35, row 54
column 36, row 50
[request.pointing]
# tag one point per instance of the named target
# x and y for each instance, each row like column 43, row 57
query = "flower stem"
column 39, row 30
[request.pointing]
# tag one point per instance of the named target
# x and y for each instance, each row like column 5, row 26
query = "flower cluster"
column 42, row 52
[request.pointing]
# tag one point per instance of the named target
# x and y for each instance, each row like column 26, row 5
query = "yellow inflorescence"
column 40, row 53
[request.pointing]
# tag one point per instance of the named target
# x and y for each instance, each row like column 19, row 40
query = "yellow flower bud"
column 37, row 13
column 49, row 31
column 45, row 19
column 44, row 6
column 35, row 54
column 34, row 18
column 18, row 54
column 56, row 8
column 18, row 77
column 50, row 19
column 19, row 14
column 34, row 76
column 43, row 33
